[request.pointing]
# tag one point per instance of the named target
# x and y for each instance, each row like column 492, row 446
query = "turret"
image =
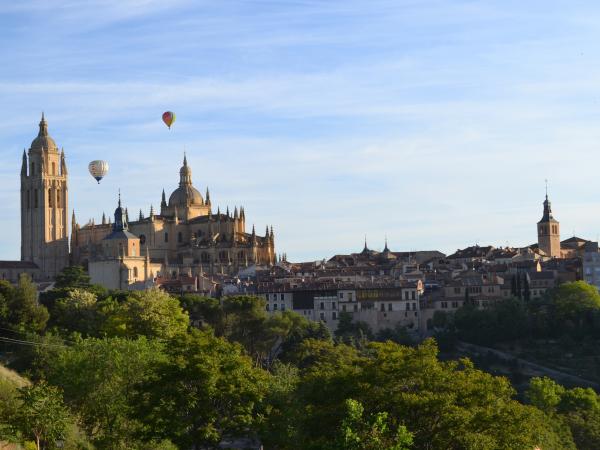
column 24, row 165
column 63, row 164
column 207, row 201
column 103, row 218
column 141, row 215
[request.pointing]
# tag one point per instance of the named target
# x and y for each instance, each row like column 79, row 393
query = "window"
column 350, row 296
column 267, row 306
column 444, row 305
column 457, row 290
column 135, row 271
column 414, row 306
column 166, row 237
column 333, row 305
column 413, row 295
column 382, row 307
column 179, row 237
column 389, row 306
column 341, row 295
column 455, row 304
column 58, row 198
column 405, row 295
column 241, row 256
column 53, row 168
column 334, row 316
column 281, row 297
column 355, row 308
column 274, row 306
column 204, row 257
column 32, row 168
column 142, row 239
column 50, row 198
column 283, row 306
column 322, row 305
column 344, row 308
column 223, row 256
column 322, row 316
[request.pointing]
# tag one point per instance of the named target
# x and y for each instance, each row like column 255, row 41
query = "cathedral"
column 184, row 238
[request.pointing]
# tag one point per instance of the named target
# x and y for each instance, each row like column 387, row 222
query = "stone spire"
column 227, row 212
column 73, row 221
column 235, row 213
column 103, row 218
column 386, row 249
column 163, row 201
column 141, row 215
column 267, row 232
column 43, row 126
column 185, row 174
column 207, row 196
column 272, row 234
column 24, row 165
column 151, row 211
column 63, row 164
column 120, row 217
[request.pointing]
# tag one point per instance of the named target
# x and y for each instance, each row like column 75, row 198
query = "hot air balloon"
column 98, row 169
column 168, row 118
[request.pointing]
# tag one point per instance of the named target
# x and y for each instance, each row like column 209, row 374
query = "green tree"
column 78, row 312
column 352, row 332
column 99, row 379
column 42, row 415
column 359, row 433
column 572, row 300
column 72, row 277
column 24, row 311
column 206, row 390
column 151, row 313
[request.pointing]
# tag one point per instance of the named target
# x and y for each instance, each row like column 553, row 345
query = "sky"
column 434, row 123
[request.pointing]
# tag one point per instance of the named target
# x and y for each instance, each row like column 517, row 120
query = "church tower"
column 44, row 205
column 548, row 230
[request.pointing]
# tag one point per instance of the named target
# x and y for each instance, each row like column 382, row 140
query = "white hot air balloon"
column 98, row 169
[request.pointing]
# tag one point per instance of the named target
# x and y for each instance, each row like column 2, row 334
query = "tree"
column 207, row 389
column 444, row 404
column 72, row 277
column 526, row 289
column 359, row 433
column 350, row 331
column 42, row 415
column 24, row 311
column 99, row 378
column 573, row 300
column 78, row 312
column 151, row 313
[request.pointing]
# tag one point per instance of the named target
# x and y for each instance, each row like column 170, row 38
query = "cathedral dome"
column 43, row 139
column 185, row 194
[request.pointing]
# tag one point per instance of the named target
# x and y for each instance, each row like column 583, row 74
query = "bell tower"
column 548, row 229
column 44, row 205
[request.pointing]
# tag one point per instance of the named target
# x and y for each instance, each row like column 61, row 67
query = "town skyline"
column 327, row 121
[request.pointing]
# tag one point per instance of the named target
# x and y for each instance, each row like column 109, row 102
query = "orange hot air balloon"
column 168, row 118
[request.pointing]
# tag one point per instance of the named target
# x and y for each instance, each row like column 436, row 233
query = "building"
column 548, row 231
column 185, row 239
column 44, row 205
column 120, row 262
column 591, row 264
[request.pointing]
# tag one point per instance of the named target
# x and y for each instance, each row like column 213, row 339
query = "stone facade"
column 44, row 205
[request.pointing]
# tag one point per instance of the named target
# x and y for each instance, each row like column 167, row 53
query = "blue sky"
column 432, row 122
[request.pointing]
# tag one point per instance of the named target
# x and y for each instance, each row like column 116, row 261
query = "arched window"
column 58, row 198
column 50, row 198
column 53, row 168
column 135, row 272
column 166, row 237
column 179, row 237
column 205, row 258
column 142, row 239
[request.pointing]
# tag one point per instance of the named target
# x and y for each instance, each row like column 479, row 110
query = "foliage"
column 574, row 299
column 206, row 389
column 151, row 313
column 42, row 415
column 99, row 377
column 358, row 433
column 352, row 332
column 72, row 277
column 20, row 305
